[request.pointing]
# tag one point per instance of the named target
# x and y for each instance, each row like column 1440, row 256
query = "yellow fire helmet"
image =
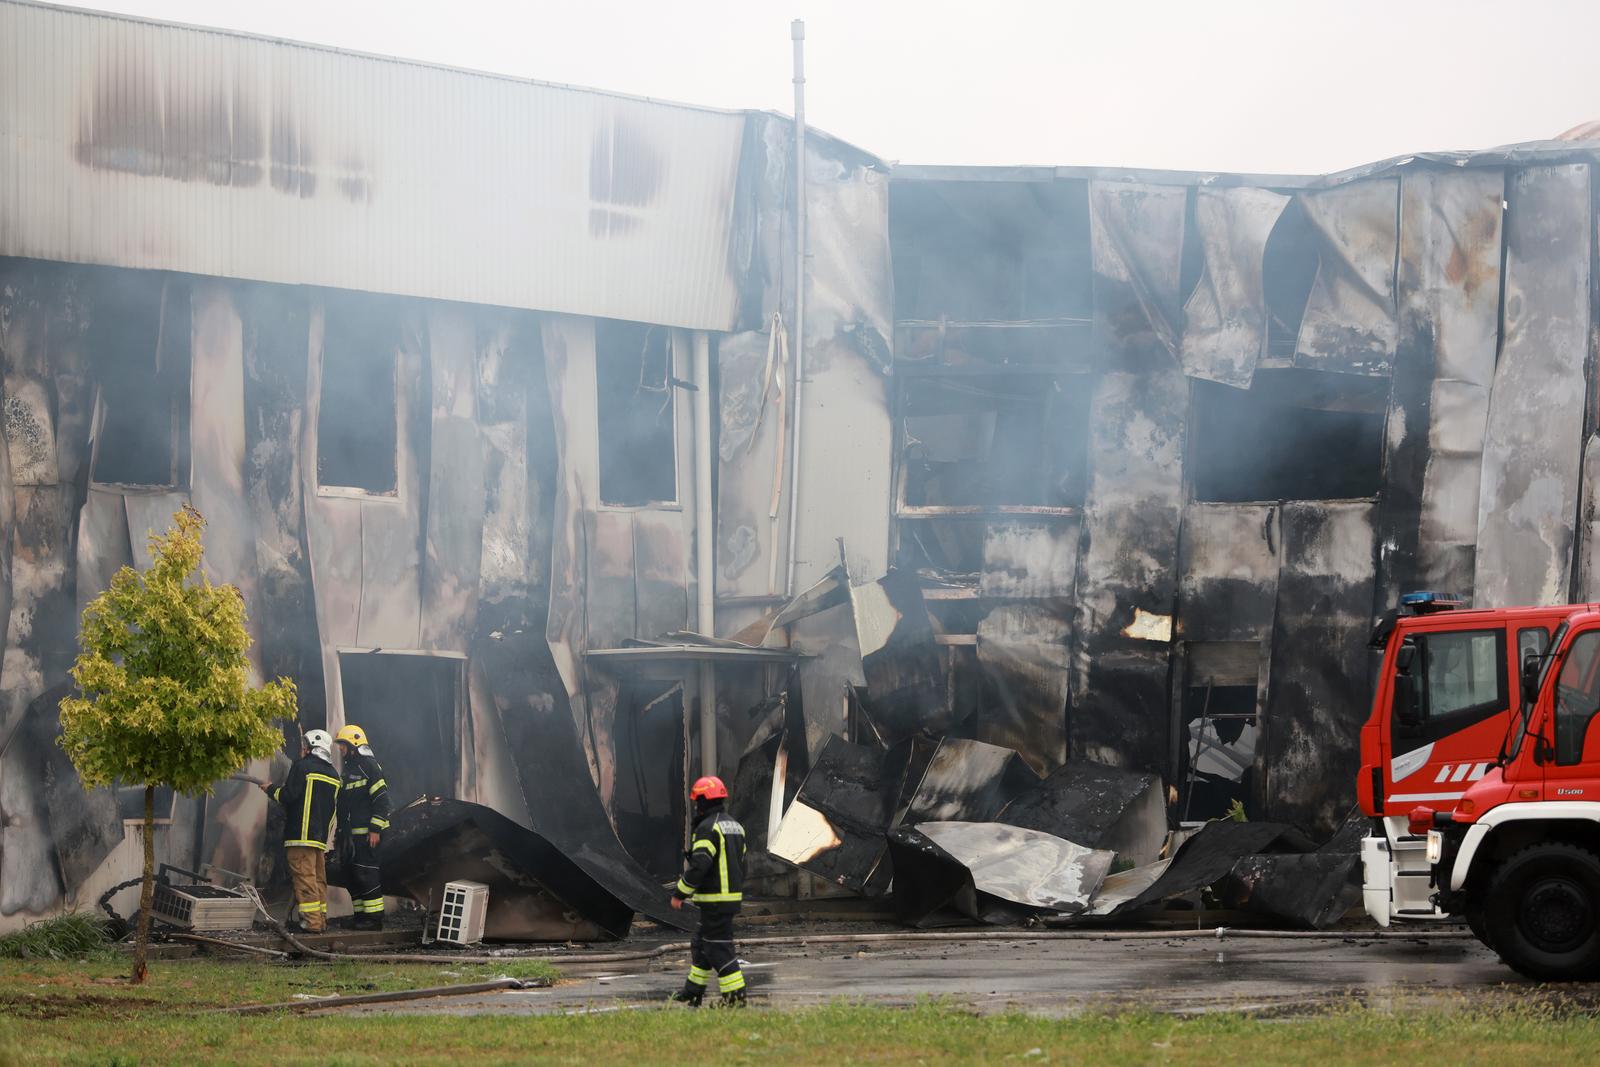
column 353, row 734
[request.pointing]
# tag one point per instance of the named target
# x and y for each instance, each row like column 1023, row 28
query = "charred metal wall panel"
column 1317, row 686
column 1229, row 571
column 1349, row 320
column 1127, row 569
column 1449, row 293
column 222, row 154
column 1225, row 318
column 1534, row 445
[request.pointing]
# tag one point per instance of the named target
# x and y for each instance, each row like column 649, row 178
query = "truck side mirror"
column 1407, row 692
column 1532, row 663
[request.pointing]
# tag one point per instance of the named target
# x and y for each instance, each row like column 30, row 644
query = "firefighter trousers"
column 362, row 877
column 308, row 867
column 712, row 954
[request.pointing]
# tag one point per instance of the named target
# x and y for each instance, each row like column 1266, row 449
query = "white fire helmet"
column 321, row 742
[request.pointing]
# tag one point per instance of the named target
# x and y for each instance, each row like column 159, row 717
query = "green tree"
column 165, row 695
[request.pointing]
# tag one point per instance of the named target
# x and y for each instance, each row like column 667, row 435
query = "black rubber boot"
column 734, row 999
column 367, row 922
column 689, row 996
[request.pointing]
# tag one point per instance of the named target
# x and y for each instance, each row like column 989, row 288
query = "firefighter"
column 309, row 796
column 363, row 818
column 713, row 880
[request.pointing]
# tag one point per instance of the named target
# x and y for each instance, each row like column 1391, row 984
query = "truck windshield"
column 1519, row 723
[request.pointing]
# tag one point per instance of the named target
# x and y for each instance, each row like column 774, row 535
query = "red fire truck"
column 1483, row 778
column 1441, row 712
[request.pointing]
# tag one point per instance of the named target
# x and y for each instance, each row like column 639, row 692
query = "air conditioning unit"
column 461, row 916
column 202, row 907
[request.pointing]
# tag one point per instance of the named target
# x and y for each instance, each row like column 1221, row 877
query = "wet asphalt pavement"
column 1050, row 977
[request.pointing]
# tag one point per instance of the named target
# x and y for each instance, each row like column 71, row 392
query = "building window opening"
column 139, row 343
column 357, row 425
column 1220, row 729
column 410, row 705
column 634, row 391
column 972, row 442
column 1293, row 435
column 1289, row 269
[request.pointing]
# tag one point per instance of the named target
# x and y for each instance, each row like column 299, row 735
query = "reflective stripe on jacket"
column 714, row 870
column 309, row 797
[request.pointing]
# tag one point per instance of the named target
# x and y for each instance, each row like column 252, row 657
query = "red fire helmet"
column 708, row 788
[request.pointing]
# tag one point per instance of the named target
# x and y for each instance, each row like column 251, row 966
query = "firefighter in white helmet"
column 309, row 796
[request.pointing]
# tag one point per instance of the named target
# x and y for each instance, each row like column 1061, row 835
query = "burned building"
column 513, row 434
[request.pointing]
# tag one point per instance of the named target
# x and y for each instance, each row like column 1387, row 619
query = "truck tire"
column 1541, row 911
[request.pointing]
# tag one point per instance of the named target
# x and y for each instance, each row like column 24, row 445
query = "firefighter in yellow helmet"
column 363, row 820
column 309, row 796
column 713, row 880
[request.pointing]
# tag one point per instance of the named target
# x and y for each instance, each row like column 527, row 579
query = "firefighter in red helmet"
column 713, row 880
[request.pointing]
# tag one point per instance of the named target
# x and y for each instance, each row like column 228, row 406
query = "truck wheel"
column 1479, row 928
column 1542, row 912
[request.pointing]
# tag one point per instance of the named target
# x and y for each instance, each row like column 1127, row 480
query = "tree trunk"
column 147, row 889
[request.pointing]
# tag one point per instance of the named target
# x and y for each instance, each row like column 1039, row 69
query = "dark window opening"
column 990, row 251
column 649, row 796
column 994, row 441
column 1289, row 269
column 139, row 342
column 357, row 424
column 1221, row 727
column 1293, row 435
column 409, row 706
column 633, row 387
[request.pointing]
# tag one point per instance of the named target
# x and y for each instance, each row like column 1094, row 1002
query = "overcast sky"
column 1244, row 85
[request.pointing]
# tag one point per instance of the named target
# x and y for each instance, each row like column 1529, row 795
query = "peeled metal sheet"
column 1026, row 867
column 1225, row 319
column 968, row 781
column 1534, row 445
column 1136, row 242
column 1206, row 858
column 537, row 891
column 1100, row 807
column 751, row 446
column 1449, row 293
column 1349, row 324
column 1312, row 890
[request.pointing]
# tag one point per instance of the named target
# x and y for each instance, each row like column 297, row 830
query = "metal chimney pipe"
column 797, row 32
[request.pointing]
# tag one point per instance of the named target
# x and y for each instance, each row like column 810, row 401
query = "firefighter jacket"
column 363, row 796
column 309, row 797
column 713, row 872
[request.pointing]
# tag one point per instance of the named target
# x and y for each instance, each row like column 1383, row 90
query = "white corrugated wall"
column 142, row 144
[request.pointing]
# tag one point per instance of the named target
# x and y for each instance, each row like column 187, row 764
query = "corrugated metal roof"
column 144, row 144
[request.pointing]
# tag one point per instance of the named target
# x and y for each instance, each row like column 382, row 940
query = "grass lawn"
column 79, row 1013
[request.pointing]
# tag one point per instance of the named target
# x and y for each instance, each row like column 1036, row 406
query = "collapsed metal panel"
column 1225, row 318
column 834, row 828
column 1534, row 444
column 1449, row 292
column 968, row 781
column 1127, row 570
column 1317, row 685
column 1097, row 806
column 1136, row 246
column 1349, row 324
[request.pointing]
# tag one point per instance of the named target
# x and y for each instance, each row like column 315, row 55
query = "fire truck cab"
column 1447, row 691
column 1518, row 853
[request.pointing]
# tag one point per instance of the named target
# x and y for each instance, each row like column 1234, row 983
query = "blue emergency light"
column 1427, row 602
